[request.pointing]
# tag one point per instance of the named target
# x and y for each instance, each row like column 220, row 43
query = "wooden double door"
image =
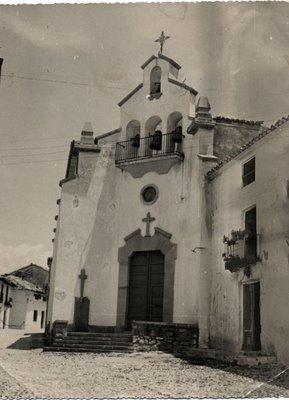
column 146, row 287
column 251, row 317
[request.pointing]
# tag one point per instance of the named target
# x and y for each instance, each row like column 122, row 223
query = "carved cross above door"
column 148, row 219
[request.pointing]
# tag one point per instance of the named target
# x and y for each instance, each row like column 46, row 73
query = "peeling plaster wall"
column 85, row 202
column 229, row 201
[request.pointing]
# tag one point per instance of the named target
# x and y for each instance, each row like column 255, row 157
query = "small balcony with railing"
column 240, row 251
column 157, row 152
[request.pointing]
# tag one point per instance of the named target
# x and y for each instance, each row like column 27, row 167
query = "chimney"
column 1, row 62
column 87, row 134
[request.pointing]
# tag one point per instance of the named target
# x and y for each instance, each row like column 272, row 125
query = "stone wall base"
column 162, row 336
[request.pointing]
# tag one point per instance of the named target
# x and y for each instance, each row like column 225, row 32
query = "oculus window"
column 149, row 194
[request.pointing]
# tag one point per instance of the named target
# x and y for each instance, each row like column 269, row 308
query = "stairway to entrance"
column 88, row 342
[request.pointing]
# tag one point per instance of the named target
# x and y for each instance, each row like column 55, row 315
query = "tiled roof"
column 31, row 277
column 256, row 138
column 19, row 283
column 237, row 121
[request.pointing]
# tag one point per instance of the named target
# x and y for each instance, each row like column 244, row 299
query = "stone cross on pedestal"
column 82, row 276
column 148, row 219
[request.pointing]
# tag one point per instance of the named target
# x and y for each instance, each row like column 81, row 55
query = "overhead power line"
column 64, row 82
column 33, row 148
column 32, row 155
column 33, row 162
column 38, row 140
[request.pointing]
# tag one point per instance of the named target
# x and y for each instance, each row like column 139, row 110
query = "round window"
column 149, row 194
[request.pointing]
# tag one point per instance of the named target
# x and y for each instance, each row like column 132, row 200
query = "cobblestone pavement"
column 9, row 387
column 132, row 375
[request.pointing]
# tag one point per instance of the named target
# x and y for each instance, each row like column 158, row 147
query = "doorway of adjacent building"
column 146, row 287
column 42, row 319
column 251, row 317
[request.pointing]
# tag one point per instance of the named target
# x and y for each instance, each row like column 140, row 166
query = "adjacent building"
column 23, row 299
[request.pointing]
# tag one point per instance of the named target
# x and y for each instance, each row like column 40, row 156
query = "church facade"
column 176, row 217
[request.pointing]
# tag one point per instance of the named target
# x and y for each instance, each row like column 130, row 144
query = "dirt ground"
column 28, row 373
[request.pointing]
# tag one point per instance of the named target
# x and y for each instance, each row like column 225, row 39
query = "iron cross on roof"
column 82, row 276
column 162, row 40
column 148, row 219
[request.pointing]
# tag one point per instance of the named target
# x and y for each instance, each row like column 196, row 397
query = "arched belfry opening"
column 175, row 119
column 175, row 130
column 133, row 138
column 152, row 125
column 155, row 80
column 132, row 129
column 153, row 132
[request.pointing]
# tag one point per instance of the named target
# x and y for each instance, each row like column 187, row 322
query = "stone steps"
column 98, row 334
column 92, row 342
column 92, row 346
column 100, row 342
column 84, row 350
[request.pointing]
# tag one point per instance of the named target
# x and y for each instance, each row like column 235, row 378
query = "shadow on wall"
column 29, row 341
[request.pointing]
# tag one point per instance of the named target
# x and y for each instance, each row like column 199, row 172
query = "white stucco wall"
column 102, row 206
column 35, row 305
column 19, row 308
column 4, row 310
column 229, row 201
column 21, row 312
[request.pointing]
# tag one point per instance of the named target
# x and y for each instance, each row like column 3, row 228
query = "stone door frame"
column 161, row 240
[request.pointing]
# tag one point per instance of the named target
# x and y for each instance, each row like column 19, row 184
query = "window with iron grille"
column 248, row 172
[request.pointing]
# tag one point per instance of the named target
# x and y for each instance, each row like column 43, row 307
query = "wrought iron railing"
column 151, row 146
column 240, row 250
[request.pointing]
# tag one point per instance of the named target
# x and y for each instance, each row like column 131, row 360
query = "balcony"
column 156, row 153
column 240, row 251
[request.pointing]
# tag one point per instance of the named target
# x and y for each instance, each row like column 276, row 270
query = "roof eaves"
column 211, row 174
column 23, row 268
column 183, row 85
column 222, row 119
column 153, row 57
column 170, row 60
column 6, row 281
column 110, row 133
column 130, row 94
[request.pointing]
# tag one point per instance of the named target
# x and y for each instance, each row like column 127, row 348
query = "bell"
column 135, row 141
column 156, row 141
column 177, row 136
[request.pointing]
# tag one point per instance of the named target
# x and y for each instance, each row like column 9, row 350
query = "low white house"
column 23, row 299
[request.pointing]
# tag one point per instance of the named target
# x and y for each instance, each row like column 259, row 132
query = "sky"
column 65, row 65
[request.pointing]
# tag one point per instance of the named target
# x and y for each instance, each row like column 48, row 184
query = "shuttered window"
column 249, row 172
